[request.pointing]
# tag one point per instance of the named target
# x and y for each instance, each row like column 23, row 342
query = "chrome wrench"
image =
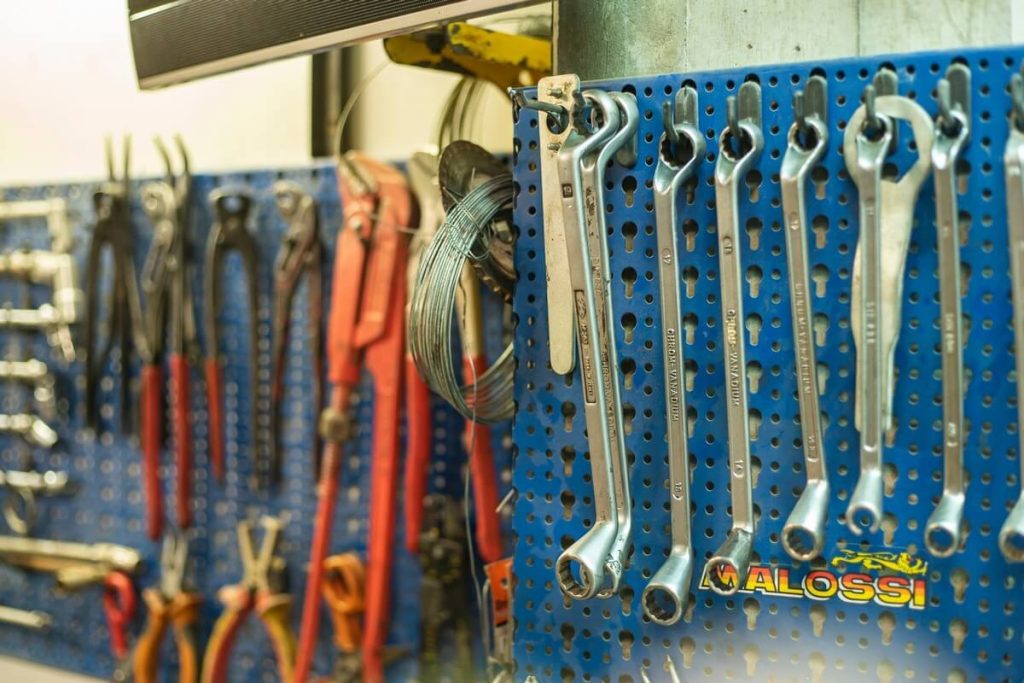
column 943, row 531
column 681, row 152
column 592, row 173
column 886, row 218
column 803, row 535
column 580, row 569
column 1011, row 535
column 743, row 129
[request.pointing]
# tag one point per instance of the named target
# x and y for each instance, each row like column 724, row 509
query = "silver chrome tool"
column 803, row 535
column 739, row 146
column 20, row 509
column 54, row 210
column 592, row 169
column 681, row 152
column 31, row 428
column 886, row 218
column 34, row 373
column 72, row 564
column 944, row 529
column 580, row 569
column 31, row 619
column 1011, row 535
column 562, row 93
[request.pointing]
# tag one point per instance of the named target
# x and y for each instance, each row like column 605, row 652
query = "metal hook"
column 799, row 111
column 668, row 120
column 869, row 106
column 557, row 111
column 732, row 118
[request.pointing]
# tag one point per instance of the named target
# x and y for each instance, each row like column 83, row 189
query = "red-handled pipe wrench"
column 423, row 179
column 366, row 328
column 168, row 315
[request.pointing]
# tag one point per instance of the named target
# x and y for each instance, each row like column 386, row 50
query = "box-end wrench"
column 580, row 569
column 803, row 535
column 739, row 146
column 681, row 152
column 944, row 529
column 592, row 169
column 886, row 218
column 560, row 91
column 1011, row 535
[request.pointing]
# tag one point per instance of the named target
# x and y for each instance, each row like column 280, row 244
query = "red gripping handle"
column 182, row 438
column 152, row 414
column 484, row 476
column 215, row 406
column 119, row 608
column 419, row 443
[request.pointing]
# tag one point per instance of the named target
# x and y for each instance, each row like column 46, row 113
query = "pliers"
column 168, row 313
column 262, row 589
column 366, row 328
column 301, row 253
column 170, row 605
column 229, row 233
column 113, row 230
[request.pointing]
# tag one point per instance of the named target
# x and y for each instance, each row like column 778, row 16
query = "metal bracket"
column 748, row 103
column 813, row 101
column 54, row 210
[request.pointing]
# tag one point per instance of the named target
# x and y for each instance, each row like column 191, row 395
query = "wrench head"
column 727, row 569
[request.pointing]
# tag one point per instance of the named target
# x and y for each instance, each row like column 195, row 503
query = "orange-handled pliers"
column 366, row 327
column 169, row 605
column 259, row 590
column 168, row 313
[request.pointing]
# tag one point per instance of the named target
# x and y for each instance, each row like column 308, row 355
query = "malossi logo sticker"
column 892, row 579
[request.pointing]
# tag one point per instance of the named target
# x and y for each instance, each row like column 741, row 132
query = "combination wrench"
column 580, row 569
column 1011, row 535
column 943, row 531
column 803, row 535
column 681, row 152
column 727, row 569
column 886, row 214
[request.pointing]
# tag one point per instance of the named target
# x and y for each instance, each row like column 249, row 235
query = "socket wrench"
column 727, row 569
column 681, row 152
column 886, row 218
column 803, row 535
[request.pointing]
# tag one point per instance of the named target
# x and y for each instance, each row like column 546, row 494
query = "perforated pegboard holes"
column 971, row 597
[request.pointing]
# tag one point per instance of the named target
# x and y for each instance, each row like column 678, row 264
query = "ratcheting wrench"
column 681, row 152
column 592, row 552
column 743, row 130
column 886, row 219
column 803, row 536
column 1011, row 535
column 942, row 535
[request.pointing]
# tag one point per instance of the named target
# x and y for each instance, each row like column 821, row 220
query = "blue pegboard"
column 754, row 636
column 110, row 504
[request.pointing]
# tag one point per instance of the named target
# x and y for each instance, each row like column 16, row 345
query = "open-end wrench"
column 739, row 146
column 942, row 533
column 886, row 218
column 681, row 152
column 592, row 173
column 581, row 567
column 1011, row 535
column 803, row 535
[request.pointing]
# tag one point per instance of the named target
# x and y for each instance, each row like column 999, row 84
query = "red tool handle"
column 419, row 444
column 384, row 362
column 182, row 438
column 238, row 603
column 483, row 475
column 119, row 608
column 215, row 407
column 152, row 420
column 327, row 495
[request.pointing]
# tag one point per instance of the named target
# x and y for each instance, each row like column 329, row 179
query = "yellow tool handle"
column 184, row 612
column 276, row 613
column 237, row 605
column 147, row 650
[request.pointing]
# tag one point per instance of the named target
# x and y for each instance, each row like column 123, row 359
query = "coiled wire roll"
column 461, row 239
